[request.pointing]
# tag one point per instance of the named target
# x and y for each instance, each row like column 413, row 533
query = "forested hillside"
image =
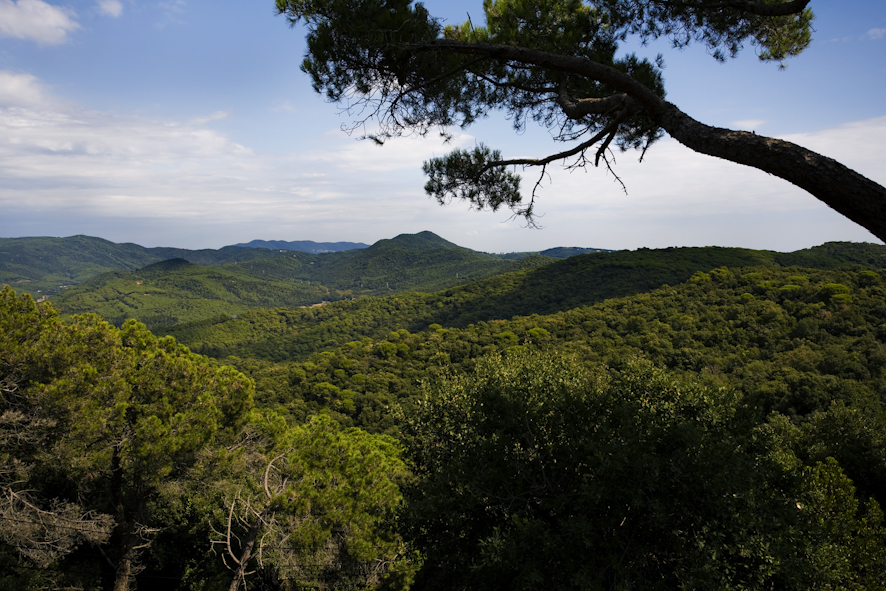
column 175, row 291
column 45, row 264
column 281, row 334
column 720, row 413
column 794, row 339
column 422, row 261
column 125, row 459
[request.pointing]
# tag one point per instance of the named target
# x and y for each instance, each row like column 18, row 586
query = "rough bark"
column 841, row 188
column 767, row 10
column 853, row 195
column 123, row 572
column 246, row 552
column 784, row 9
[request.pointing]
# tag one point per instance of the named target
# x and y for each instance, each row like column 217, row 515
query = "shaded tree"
column 41, row 522
column 104, row 423
column 536, row 473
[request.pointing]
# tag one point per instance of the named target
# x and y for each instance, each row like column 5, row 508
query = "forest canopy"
column 725, row 430
column 122, row 451
column 566, row 424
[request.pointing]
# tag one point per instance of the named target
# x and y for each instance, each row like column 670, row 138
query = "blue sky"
column 188, row 123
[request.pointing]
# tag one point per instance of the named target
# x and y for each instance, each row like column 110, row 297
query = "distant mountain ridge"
column 47, row 265
column 167, row 292
column 421, row 241
column 167, row 286
column 303, row 245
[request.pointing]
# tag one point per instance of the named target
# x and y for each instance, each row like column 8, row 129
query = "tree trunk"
column 246, row 552
column 841, row 188
column 123, row 573
column 858, row 198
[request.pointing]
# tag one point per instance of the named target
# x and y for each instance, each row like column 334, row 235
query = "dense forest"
column 674, row 418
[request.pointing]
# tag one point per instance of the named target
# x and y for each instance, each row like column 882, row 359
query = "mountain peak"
column 422, row 241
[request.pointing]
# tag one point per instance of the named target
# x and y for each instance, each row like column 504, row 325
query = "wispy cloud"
column 112, row 8
column 216, row 116
column 752, row 124
column 36, row 20
column 871, row 35
column 114, row 175
column 283, row 106
column 172, row 9
column 23, row 90
column 66, row 160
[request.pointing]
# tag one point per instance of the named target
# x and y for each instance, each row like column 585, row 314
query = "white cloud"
column 118, row 176
column 876, row 33
column 842, row 39
column 37, row 21
column 749, row 124
column 685, row 195
column 858, row 145
column 69, row 161
column 217, row 116
column 112, row 165
column 22, row 90
column 110, row 7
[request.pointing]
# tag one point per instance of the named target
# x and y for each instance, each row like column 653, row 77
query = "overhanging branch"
column 608, row 133
column 853, row 195
column 579, row 108
column 756, row 8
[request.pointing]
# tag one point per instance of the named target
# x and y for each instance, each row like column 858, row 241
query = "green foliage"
column 775, row 396
column 118, row 417
column 472, row 176
column 538, row 288
column 310, row 505
column 174, row 291
column 534, row 472
column 700, row 278
column 724, row 30
column 281, row 335
column 131, row 442
column 785, row 351
column 171, row 292
column 419, row 262
column 41, row 522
